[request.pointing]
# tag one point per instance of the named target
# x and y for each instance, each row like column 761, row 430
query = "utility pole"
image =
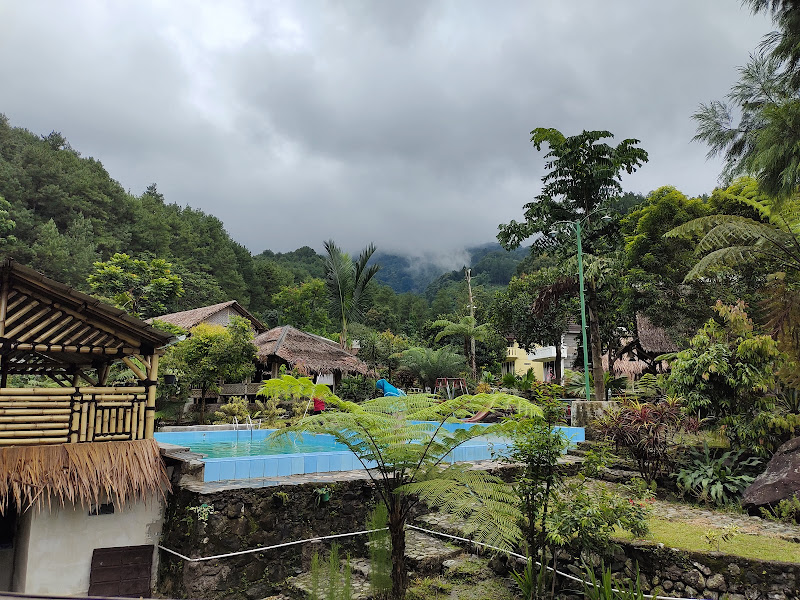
column 471, row 314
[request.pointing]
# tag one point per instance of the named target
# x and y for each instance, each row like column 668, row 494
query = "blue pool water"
column 246, row 454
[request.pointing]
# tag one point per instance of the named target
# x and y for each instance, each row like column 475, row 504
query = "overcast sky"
column 404, row 123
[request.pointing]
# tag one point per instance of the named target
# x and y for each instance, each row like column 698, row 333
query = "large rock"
column 780, row 481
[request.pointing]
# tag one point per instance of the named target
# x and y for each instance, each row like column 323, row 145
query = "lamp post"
column 577, row 225
column 583, row 312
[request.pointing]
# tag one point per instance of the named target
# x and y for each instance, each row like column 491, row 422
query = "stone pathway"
column 210, row 487
column 672, row 511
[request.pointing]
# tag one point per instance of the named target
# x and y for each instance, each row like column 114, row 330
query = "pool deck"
column 211, row 487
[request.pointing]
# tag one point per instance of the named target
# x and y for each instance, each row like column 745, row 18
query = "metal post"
column 583, row 312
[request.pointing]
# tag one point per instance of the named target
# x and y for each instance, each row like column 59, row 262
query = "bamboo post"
column 4, row 303
column 90, row 420
column 105, row 424
column 64, row 333
column 133, row 367
column 141, row 430
column 89, row 390
column 28, row 322
column 29, row 441
column 28, row 427
column 33, row 415
column 75, row 420
column 84, row 415
column 127, row 425
column 150, row 407
column 29, row 433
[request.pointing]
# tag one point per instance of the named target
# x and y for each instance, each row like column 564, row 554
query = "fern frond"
column 735, row 256
column 735, row 231
column 486, row 503
column 700, row 226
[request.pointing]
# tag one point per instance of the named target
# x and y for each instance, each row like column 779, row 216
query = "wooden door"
column 123, row 571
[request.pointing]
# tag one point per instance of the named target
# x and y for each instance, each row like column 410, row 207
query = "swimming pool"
column 248, row 454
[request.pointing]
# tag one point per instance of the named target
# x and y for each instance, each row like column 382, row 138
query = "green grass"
column 687, row 536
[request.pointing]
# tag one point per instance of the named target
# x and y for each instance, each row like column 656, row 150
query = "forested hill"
column 69, row 212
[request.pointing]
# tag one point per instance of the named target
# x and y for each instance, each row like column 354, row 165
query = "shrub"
column 786, row 511
column 728, row 374
column 237, row 407
column 647, row 430
column 357, row 388
column 717, row 480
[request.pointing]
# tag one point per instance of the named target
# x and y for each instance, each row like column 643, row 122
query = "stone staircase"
column 619, row 471
column 426, row 555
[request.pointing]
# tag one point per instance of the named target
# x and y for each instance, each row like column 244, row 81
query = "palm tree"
column 402, row 444
column 346, row 282
column 468, row 328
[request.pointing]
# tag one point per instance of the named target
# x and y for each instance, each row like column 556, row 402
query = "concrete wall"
column 54, row 549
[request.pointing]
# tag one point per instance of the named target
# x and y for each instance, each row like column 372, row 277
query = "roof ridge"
column 282, row 337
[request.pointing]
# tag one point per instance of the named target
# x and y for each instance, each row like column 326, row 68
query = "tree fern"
column 405, row 443
column 728, row 241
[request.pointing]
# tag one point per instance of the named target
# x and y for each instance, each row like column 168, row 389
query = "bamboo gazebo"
column 52, row 330
column 79, row 448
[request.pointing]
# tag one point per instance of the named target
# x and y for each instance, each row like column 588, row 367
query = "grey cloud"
column 401, row 123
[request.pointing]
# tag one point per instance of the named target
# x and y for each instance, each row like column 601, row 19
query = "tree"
column 582, row 178
column 382, row 350
column 347, row 283
column 402, row 443
column 428, row 365
column 771, row 243
column 783, row 44
column 655, row 265
column 143, row 288
column 304, row 306
column 728, row 374
column 66, row 257
column 468, row 329
column 7, row 224
column 764, row 251
column 213, row 353
column 535, row 309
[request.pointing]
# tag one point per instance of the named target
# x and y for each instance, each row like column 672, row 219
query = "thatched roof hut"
column 216, row 314
column 77, row 440
column 308, row 353
column 52, row 330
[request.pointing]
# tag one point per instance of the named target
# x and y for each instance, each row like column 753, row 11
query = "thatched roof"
column 187, row 319
column 48, row 328
column 652, row 339
column 626, row 368
column 81, row 473
column 307, row 351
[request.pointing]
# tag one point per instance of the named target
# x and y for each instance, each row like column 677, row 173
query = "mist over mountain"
column 410, row 273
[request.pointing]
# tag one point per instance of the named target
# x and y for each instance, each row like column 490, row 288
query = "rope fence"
column 414, row 527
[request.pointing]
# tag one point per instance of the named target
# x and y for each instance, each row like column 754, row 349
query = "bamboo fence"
column 77, row 414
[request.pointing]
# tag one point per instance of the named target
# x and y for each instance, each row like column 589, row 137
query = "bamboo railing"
column 75, row 414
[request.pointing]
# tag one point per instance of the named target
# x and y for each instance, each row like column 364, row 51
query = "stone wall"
column 252, row 518
column 709, row 575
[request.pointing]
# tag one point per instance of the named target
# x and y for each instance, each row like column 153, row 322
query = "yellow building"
column 518, row 362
